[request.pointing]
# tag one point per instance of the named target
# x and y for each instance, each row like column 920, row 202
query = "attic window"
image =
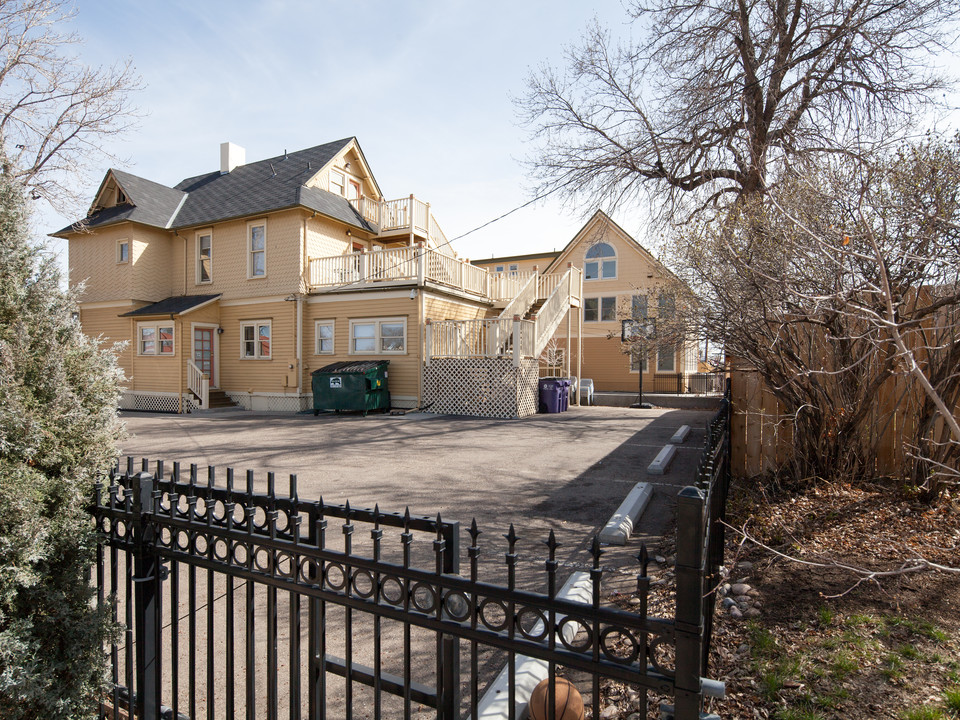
column 121, row 197
column 337, row 182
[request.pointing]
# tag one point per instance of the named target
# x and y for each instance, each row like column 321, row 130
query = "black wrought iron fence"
column 237, row 603
column 684, row 383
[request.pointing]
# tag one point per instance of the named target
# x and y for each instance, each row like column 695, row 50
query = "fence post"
column 450, row 679
column 428, row 342
column 689, row 613
column 517, row 350
column 146, row 581
column 421, row 263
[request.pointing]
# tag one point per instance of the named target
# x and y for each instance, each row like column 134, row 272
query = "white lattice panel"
column 482, row 387
column 272, row 403
column 152, row 402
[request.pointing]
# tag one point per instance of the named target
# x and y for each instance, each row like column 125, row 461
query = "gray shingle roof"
column 152, row 204
column 263, row 186
column 253, row 189
column 172, row 305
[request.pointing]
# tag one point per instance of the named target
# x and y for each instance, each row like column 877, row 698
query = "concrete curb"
column 662, row 461
column 494, row 705
column 680, row 435
column 620, row 526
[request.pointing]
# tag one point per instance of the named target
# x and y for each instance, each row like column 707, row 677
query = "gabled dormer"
column 347, row 174
column 110, row 194
column 124, row 197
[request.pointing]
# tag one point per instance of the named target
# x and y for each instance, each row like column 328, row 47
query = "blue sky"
column 425, row 85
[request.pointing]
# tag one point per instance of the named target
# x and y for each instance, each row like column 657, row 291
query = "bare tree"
column 55, row 112
column 718, row 97
column 841, row 287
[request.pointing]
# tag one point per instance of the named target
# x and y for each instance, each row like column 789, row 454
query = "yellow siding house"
column 233, row 286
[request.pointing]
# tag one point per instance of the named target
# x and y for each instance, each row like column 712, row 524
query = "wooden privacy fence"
column 762, row 431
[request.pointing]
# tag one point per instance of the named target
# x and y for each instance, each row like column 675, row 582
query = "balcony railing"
column 490, row 337
column 416, row 265
column 404, row 215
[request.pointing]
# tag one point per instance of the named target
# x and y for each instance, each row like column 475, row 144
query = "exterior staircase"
column 490, row 367
column 219, row 400
column 534, row 309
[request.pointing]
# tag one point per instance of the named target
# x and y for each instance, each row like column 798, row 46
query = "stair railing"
column 553, row 310
column 198, row 383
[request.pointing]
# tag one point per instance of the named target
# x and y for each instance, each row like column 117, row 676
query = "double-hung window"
column 666, row 359
column 600, row 262
column 324, row 333
column 667, row 306
column 337, row 182
column 255, row 337
column 154, row 339
column 635, row 361
column 602, row 309
column 638, row 307
column 257, row 249
column 386, row 336
column 204, row 257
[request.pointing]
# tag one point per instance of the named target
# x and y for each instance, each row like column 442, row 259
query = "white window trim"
column 673, row 360
column 249, row 239
column 646, row 363
column 316, row 337
column 156, row 343
column 600, row 299
column 379, row 321
column 123, row 241
column 343, row 186
column 256, row 325
column 196, row 243
column 351, row 180
column 599, row 261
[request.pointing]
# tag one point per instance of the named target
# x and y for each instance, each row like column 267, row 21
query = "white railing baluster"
column 198, row 383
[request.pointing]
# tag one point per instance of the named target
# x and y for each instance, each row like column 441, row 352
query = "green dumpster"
column 351, row 385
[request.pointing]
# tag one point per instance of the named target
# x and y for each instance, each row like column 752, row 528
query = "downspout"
column 182, row 359
column 304, row 277
column 298, row 330
column 134, row 348
column 177, row 234
column 422, row 332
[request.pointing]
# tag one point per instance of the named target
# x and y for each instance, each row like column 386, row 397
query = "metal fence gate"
column 235, row 603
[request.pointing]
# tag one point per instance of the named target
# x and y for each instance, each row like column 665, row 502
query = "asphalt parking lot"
column 564, row 472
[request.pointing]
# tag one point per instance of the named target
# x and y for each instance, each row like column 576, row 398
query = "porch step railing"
column 198, row 383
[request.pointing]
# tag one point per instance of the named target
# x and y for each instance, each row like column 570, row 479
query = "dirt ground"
column 829, row 642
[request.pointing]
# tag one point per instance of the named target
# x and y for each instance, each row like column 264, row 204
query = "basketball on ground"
column 569, row 704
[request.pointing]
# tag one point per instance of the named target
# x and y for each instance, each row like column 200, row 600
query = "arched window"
column 601, row 262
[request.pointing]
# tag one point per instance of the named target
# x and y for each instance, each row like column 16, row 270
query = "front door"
column 203, row 351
